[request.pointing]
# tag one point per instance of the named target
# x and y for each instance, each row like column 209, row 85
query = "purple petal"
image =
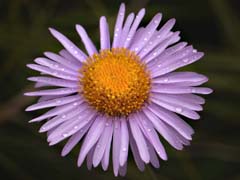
column 172, row 89
column 126, row 29
column 148, row 32
column 66, row 62
column 132, row 31
column 162, row 129
column 74, row 139
column 173, row 120
column 90, row 47
column 118, row 26
column 175, row 108
column 104, row 34
column 90, row 158
column 49, row 92
column 153, row 156
column 54, row 81
column 55, row 102
column 72, row 48
column 116, row 146
column 91, row 138
column 124, row 142
column 51, row 72
column 55, row 66
column 102, row 143
column 138, row 137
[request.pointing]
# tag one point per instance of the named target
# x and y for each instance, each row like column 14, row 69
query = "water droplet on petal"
column 166, row 80
column 124, row 149
column 185, row 60
column 75, row 127
column 65, row 134
column 178, row 109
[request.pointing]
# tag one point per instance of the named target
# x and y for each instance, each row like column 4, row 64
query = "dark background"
column 213, row 26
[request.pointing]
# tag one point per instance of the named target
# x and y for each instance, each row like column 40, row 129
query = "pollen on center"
column 115, row 82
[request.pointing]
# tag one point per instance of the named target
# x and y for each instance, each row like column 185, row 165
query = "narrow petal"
column 124, row 142
column 172, row 89
column 55, row 102
column 123, row 170
column 116, row 146
column 72, row 48
column 61, row 60
column 90, row 158
column 59, row 110
column 74, row 139
column 104, row 34
column 176, row 108
column 91, row 138
column 134, row 27
column 139, row 162
column 126, row 29
column 140, row 141
column 153, row 156
column 173, row 120
column 150, row 29
column 54, row 81
column 102, row 143
column 68, row 56
column 175, row 65
column 162, row 129
column 49, row 92
column 150, row 134
column 118, row 26
column 158, row 38
column 55, row 73
column 55, row 66
column 90, row 47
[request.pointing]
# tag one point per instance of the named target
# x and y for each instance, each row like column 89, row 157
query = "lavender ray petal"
column 175, row 65
column 177, row 109
column 172, row 89
column 104, row 33
column 133, row 28
column 70, row 127
column 75, row 66
column 62, row 118
column 102, row 143
column 90, row 158
column 152, row 136
column 149, row 31
column 55, row 102
column 51, row 72
column 68, row 56
column 126, row 29
column 54, row 81
column 118, row 26
column 173, row 120
column 161, row 47
column 139, row 138
column 55, row 66
column 139, row 162
column 123, row 170
column 124, row 142
column 72, row 48
column 56, row 111
column 91, row 138
column 116, row 146
column 105, row 159
column 159, row 37
column 177, row 100
column 162, row 129
column 50, row 92
column 153, row 156
column 74, row 139
column 90, row 47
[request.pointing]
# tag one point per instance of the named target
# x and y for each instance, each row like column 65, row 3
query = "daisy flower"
column 122, row 97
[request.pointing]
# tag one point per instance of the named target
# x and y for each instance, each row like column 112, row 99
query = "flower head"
column 119, row 98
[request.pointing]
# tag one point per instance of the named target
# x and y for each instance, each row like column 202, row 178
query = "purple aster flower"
column 119, row 98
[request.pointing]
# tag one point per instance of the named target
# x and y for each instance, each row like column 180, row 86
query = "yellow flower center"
column 115, row 82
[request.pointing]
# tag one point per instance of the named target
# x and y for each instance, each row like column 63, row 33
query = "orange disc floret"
column 115, row 82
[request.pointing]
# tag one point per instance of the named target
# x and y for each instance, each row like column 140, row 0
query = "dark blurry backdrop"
column 212, row 26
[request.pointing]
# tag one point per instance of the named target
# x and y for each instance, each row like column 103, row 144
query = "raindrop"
column 178, row 109
column 124, row 149
column 159, row 65
column 145, row 39
column 166, row 80
column 65, row 134
column 107, row 124
column 194, row 51
column 75, row 127
column 75, row 52
column 185, row 60
column 156, row 21
column 63, row 116
column 75, row 104
column 149, row 130
column 193, row 90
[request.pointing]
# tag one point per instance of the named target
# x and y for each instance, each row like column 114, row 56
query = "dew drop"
column 107, row 124
column 65, row 134
column 185, row 60
column 178, row 109
column 145, row 39
column 149, row 130
column 193, row 90
column 75, row 127
column 63, row 116
column 159, row 65
column 194, row 51
column 75, row 104
column 166, row 80
column 124, row 149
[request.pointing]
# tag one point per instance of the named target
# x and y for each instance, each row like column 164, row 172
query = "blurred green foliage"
column 213, row 26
